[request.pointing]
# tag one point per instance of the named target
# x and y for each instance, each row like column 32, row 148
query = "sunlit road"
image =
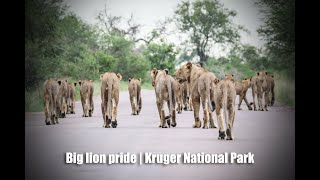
column 269, row 135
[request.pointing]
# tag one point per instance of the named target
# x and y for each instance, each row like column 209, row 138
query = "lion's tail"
column 208, row 89
column 170, row 96
column 224, row 102
column 109, row 92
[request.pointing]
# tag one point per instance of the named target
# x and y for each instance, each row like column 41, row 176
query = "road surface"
column 270, row 136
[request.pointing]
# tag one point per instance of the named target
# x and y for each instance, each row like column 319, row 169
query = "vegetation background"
column 58, row 43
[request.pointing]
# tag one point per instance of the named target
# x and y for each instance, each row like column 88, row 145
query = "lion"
column 200, row 81
column 86, row 95
column 164, row 86
column 63, row 95
column 224, row 97
column 260, row 88
column 71, row 98
column 51, row 101
column 270, row 79
column 241, row 90
column 135, row 95
column 110, row 83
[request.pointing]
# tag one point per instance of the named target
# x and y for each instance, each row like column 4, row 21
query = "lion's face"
column 262, row 77
column 183, row 73
column 229, row 77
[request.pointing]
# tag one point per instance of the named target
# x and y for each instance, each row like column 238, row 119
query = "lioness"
column 71, row 98
column 260, row 87
column 51, row 101
column 164, row 86
column 63, row 95
column 242, row 88
column 135, row 95
column 110, row 98
column 86, row 94
column 200, row 87
column 224, row 97
column 270, row 78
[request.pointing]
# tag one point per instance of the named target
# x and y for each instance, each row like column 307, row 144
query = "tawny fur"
column 164, row 85
column 110, row 83
column 51, row 101
column 224, row 97
column 134, row 89
column 201, row 86
column 86, row 94
column 261, row 86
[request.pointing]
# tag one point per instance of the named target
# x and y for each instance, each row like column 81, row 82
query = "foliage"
column 207, row 22
column 279, row 32
column 161, row 56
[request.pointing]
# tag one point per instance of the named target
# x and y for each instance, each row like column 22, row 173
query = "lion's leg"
column 105, row 125
column 132, row 106
column 240, row 101
column 160, row 112
column 260, row 101
column 114, row 105
column 140, row 104
column 266, row 99
column 205, row 112
column 196, row 108
column 220, row 123
column 91, row 105
column 272, row 96
column 254, row 100
column 47, row 112
column 83, row 106
column 212, row 125
column 231, row 113
column 246, row 101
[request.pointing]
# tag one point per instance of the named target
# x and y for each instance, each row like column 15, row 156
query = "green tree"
column 207, row 22
column 161, row 56
column 279, row 32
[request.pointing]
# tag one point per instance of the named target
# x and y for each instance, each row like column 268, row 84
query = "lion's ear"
column 272, row 76
column 167, row 71
column 75, row 84
column 59, row 82
column 101, row 75
column 66, row 80
column 258, row 73
column 189, row 65
column 119, row 76
column 232, row 75
column 140, row 79
column 80, row 82
column 250, row 78
column 266, row 73
column 216, row 81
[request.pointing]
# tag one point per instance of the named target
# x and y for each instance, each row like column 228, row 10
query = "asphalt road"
column 270, row 136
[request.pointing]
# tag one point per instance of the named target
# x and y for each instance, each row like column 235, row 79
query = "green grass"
column 34, row 99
